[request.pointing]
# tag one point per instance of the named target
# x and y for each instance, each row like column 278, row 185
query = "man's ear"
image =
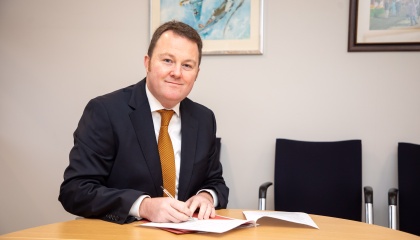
column 146, row 63
column 197, row 74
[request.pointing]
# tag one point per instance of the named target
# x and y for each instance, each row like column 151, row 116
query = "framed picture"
column 226, row 26
column 384, row 25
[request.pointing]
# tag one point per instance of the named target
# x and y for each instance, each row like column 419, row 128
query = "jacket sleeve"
column 215, row 173
column 84, row 191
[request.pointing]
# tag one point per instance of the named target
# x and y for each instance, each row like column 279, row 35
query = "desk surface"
column 330, row 228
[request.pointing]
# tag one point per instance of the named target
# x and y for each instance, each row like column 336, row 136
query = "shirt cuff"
column 213, row 194
column 134, row 210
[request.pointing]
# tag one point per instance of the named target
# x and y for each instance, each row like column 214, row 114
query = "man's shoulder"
column 123, row 94
column 118, row 93
column 194, row 107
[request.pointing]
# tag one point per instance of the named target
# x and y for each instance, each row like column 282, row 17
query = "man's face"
column 172, row 69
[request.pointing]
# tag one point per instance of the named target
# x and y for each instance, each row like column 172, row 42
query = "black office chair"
column 406, row 214
column 323, row 178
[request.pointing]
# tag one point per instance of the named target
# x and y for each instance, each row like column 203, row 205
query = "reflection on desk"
column 329, row 228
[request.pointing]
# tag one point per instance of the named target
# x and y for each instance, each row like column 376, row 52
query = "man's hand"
column 164, row 210
column 203, row 201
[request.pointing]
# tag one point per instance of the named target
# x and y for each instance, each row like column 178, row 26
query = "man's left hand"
column 203, row 201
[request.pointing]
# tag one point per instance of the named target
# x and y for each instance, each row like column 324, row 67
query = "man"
column 115, row 170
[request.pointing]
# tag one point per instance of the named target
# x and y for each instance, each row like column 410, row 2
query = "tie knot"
column 166, row 116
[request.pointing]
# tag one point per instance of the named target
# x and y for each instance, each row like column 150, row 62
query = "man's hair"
column 179, row 28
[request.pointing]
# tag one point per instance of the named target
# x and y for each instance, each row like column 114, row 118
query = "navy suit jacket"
column 115, row 157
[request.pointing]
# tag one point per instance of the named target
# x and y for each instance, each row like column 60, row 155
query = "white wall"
column 56, row 55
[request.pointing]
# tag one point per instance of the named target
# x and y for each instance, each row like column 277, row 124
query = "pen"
column 167, row 193
column 170, row 195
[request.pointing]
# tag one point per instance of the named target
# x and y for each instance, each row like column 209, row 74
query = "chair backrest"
column 409, row 187
column 323, row 178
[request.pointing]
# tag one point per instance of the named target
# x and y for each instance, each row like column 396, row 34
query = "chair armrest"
column 368, row 192
column 262, row 195
column 263, row 189
column 392, row 208
column 392, row 196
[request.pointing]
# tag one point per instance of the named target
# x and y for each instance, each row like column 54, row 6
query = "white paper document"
column 295, row 217
column 211, row 225
column 221, row 224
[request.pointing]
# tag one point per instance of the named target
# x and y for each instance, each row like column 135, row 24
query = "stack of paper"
column 221, row 224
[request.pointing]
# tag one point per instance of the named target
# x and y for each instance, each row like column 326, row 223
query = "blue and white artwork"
column 213, row 19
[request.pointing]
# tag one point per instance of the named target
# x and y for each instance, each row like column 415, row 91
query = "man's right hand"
column 164, row 209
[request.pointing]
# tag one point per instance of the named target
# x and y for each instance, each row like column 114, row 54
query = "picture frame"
column 375, row 27
column 225, row 26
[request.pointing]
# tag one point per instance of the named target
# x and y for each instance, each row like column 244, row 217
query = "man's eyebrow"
column 165, row 54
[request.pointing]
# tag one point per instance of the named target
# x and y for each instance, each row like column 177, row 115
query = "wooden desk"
column 330, row 228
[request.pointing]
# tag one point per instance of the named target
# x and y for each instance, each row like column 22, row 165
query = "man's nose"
column 176, row 71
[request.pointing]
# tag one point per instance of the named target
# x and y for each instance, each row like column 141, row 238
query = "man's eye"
column 187, row 66
column 167, row 60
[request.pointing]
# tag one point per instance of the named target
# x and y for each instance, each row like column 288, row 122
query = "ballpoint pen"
column 167, row 192
column 170, row 195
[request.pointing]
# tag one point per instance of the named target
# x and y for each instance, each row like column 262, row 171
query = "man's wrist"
column 135, row 208
column 212, row 194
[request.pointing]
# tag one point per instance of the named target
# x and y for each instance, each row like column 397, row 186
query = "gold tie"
column 166, row 152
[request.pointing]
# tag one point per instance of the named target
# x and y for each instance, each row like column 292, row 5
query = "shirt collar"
column 156, row 105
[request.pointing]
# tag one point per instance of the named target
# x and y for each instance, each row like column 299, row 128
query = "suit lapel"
column 142, row 121
column 189, row 129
